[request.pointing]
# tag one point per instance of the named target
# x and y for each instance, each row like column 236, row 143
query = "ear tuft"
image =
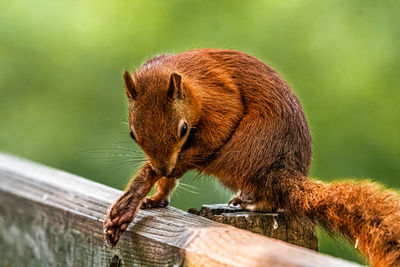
column 130, row 85
column 175, row 89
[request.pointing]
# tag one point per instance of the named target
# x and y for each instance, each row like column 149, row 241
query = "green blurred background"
column 62, row 101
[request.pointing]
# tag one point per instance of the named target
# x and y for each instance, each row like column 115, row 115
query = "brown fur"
column 248, row 129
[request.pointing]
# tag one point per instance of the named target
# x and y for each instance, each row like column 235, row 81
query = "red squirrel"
column 227, row 114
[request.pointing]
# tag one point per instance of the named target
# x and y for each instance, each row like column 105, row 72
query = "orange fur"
column 247, row 128
column 363, row 212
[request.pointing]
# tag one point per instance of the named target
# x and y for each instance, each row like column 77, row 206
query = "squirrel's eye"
column 184, row 129
column 132, row 135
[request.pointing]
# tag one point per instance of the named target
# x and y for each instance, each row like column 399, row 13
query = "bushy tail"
column 363, row 212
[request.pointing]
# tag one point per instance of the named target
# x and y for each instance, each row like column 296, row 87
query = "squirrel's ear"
column 130, row 85
column 175, row 89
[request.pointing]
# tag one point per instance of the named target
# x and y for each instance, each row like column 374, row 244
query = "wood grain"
column 51, row 218
column 276, row 225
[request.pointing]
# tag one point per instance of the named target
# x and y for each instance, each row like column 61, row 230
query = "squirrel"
column 227, row 114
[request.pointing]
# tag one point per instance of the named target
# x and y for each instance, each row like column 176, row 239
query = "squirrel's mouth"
column 163, row 170
column 170, row 175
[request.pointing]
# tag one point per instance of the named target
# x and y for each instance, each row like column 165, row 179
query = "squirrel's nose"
column 163, row 171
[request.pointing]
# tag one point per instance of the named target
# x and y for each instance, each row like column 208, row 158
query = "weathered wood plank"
column 52, row 218
column 276, row 225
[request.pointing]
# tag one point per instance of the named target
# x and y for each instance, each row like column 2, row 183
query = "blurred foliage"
column 62, row 101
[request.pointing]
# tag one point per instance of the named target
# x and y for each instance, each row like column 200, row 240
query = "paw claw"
column 114, row 212
column 124, row 226
column 235, row 201
column 108, row 225
column 242, row 200
column 115, row 221
column 149, row 203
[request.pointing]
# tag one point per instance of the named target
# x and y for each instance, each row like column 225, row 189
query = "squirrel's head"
column 159, row 116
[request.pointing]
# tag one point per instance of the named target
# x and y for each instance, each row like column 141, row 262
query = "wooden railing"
column 51, row 218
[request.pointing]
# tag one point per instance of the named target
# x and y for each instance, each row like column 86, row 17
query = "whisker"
column 115, row 159
column 175, row 191
column 191, row 164
column 198, row 176
column 119, row 167
column 188, row 185
column 186, row 189
column 112, row 148
column 114, row 156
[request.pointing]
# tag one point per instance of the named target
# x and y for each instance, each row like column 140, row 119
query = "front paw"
column 116, row 222
column 150, row 203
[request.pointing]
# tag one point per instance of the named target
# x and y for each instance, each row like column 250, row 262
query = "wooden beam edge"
column 201, row 240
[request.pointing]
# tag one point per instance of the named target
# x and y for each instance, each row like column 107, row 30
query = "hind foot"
column 250, row 203
column 242, row 199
